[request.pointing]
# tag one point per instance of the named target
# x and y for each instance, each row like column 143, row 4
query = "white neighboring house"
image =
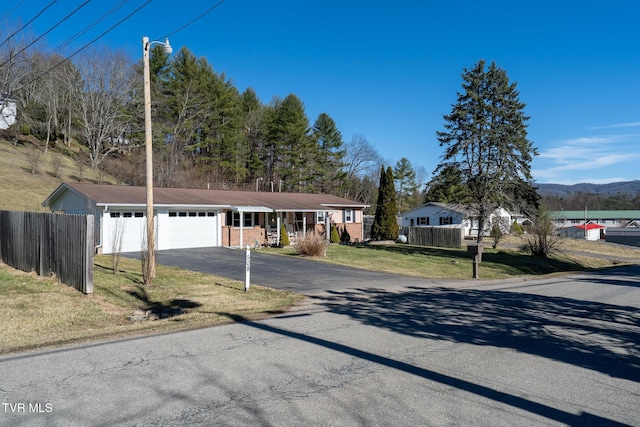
column 434, row 214
column 8, row 111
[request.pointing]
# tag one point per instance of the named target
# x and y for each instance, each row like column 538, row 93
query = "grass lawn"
column 40, row 312
column 441, row 263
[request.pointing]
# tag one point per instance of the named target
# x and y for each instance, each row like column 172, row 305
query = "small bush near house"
column 284, row 237
column 345, row 237
column 312, row 245
column 517, row 228
column 496, row 234
column 335, row 236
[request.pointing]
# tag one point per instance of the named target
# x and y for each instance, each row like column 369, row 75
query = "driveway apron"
column 280, row 272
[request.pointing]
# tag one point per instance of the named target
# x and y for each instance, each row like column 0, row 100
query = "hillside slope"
column 625, row 187
column 28, row 176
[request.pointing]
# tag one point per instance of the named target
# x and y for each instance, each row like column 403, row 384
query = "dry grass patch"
column 40, row 312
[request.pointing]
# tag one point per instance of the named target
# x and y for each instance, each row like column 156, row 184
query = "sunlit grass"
column 40, row 312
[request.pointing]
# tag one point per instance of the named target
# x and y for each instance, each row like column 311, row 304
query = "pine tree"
column 486, row 140
column 329, row 163
column 405, row 178
column 288, row 144
column 385, row 223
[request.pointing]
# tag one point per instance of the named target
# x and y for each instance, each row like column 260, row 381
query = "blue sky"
column 390, row 70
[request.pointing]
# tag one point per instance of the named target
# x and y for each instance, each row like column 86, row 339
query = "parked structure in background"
column 190, row 218
column 618, row 226
column 585, row 231
column 629, row 235
column 8, row 111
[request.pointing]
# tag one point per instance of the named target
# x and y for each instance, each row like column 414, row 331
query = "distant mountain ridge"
column 625, row 187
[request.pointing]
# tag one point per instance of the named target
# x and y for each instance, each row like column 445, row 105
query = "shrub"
column 496, row 234
column 312, row 245
column 284, row 236
column 335, row 236
column 517, row 228
column 345, row 237
column 544, row 240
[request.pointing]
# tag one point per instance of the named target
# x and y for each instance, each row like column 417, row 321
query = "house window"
column 248, row 219
column 138, row 214
column 411, row 222
column 320, row 217
column 233, row 219
column 446, row 220
column 348, row 215
column 127, row 214
column 423, row 220
column 114, row 214
column 173, row 214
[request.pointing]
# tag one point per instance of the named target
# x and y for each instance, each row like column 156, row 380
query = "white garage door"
column 125, row 232
column 192, row 229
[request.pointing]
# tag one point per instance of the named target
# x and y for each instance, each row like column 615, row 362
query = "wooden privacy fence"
column 50, row 244
column 441, row 237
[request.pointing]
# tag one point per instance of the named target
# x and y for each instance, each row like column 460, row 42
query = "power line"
column 193, row 20
column 46, row 32
column 30, row 21
column 89, row 27
column 86, row 45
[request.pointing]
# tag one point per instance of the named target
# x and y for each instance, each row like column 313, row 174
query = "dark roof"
column 104, row 194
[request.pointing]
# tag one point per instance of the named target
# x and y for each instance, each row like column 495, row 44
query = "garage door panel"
column 125, row 234
column 192, row 231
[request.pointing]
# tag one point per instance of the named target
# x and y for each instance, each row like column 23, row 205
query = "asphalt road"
column 392, row 351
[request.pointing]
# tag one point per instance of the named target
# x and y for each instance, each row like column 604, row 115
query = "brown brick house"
column 187, row 218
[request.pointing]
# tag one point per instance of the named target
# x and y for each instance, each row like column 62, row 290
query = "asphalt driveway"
column 280, row 272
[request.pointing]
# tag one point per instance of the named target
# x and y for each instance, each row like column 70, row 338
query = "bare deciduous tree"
column 98, row 103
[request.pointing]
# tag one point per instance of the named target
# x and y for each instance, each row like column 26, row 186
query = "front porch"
column 262, row 228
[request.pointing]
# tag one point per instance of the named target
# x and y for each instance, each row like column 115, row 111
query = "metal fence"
column 441, row 237
column 48, row 244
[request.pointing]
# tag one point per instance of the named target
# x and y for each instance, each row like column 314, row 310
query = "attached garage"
column 123, row 231
column 191, row 229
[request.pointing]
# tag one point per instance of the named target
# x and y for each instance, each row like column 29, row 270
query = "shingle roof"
column 104, row 194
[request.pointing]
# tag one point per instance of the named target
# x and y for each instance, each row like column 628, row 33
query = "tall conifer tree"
column 486, row 141
column 385, row 223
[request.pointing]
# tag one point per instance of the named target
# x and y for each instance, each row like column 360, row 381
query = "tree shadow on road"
column 591, row 335
column 162, row 309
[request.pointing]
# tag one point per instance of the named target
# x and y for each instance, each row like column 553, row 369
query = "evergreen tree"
column 405, row 177
column 328, row 168
column 385, row 223
column 446, row 187
column 486, row 140
column 288, row 144
column 253, row 115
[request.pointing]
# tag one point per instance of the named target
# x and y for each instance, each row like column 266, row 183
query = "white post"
column 304, row 225
column 278, row 230
column 247, row 278
column 327, row 226
column 241, row 214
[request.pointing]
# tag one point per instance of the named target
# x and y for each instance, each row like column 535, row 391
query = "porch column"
column 327, row 226
column 278, row 230
column 304, row 225
column 241, row 213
